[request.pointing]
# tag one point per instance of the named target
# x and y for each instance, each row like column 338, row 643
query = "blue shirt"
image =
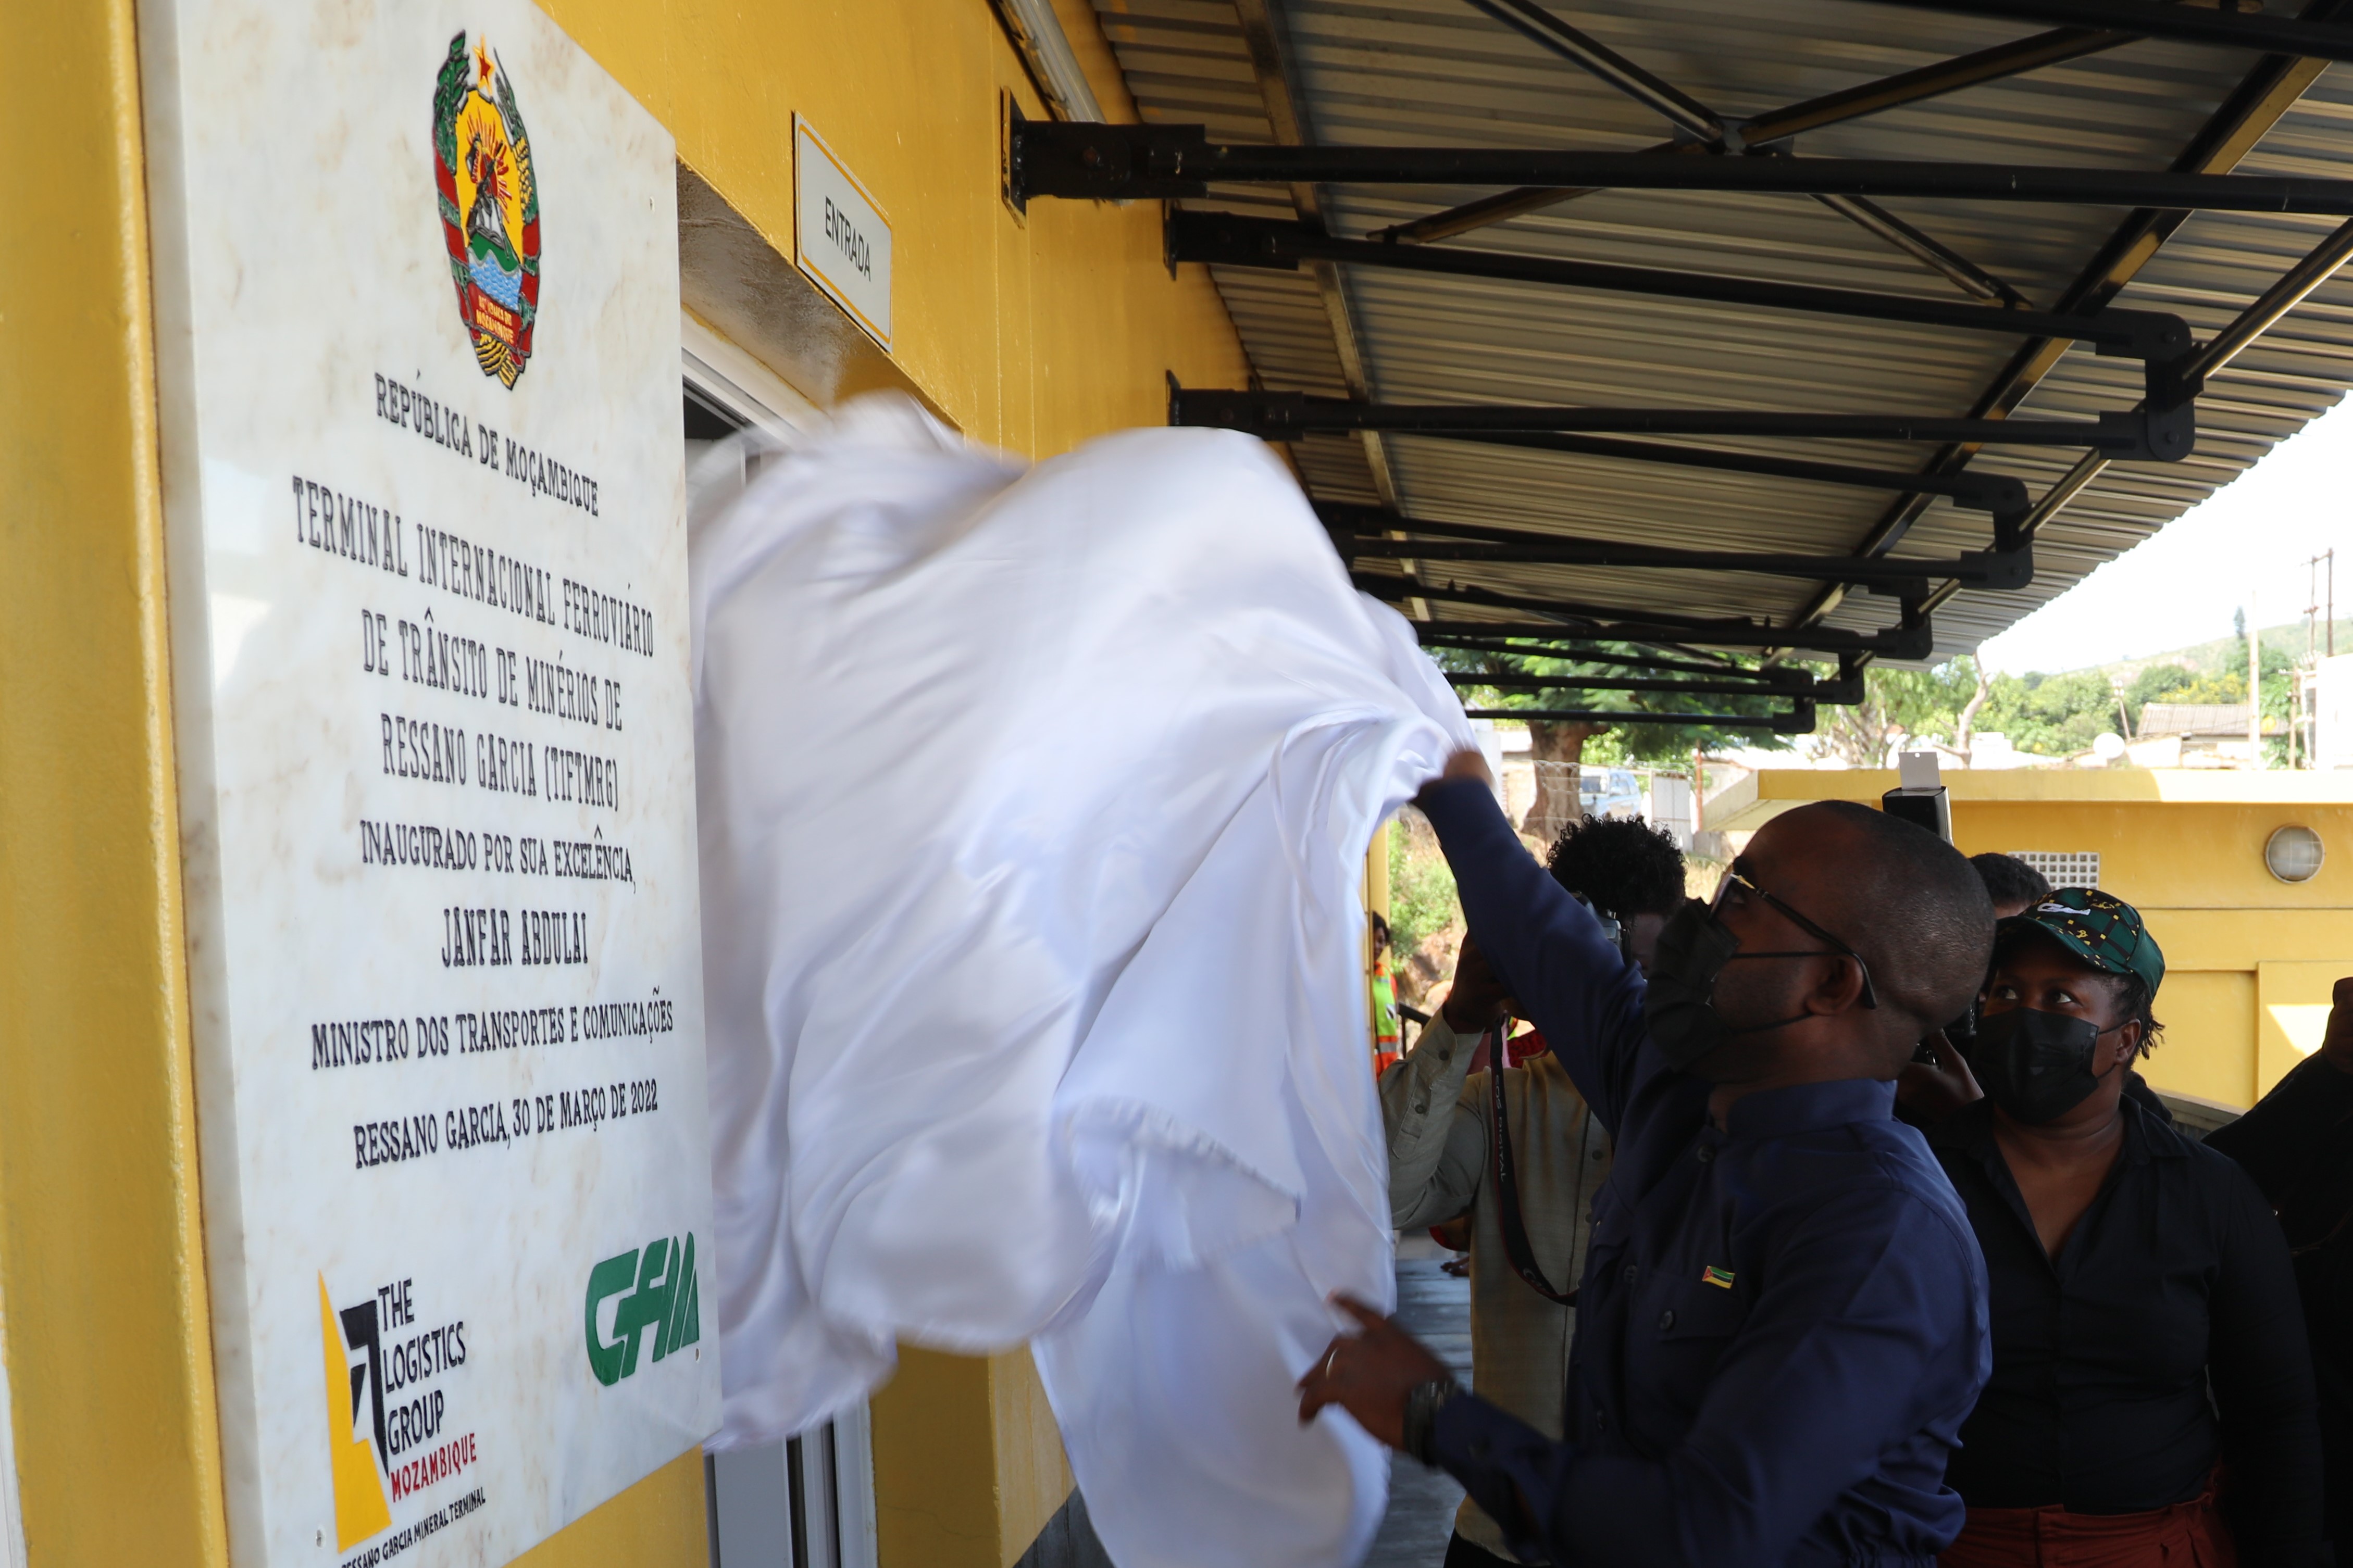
column 1782, row 1323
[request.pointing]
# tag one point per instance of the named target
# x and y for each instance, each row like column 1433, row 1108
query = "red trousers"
column 2186, row 1535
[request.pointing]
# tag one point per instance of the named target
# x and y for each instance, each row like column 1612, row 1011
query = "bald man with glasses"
column 1782, row 1320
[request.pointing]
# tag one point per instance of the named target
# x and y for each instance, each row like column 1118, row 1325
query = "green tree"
column 2159, row 683
column 1921, row 704
column 2181, row 683
column 1422, row 899
column 2050, row 715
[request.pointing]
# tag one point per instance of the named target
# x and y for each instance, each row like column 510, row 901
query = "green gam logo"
column 661, row 1296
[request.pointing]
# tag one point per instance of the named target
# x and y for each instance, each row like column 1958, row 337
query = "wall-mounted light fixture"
column 2292, row 854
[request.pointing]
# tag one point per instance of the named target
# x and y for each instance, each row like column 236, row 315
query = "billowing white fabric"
column 1033, row 809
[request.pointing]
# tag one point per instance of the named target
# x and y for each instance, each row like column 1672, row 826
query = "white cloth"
column 1033, row 809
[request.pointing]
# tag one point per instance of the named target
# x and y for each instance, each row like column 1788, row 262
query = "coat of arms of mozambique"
column 489, row 206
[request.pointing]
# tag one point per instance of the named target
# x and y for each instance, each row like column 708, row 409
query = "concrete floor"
column 1435, row 1308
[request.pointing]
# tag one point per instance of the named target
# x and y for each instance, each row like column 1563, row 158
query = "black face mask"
column 2035, row 1065
column 1680, row 1005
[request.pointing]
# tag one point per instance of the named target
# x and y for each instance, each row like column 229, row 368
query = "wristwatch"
column 1422, row 1403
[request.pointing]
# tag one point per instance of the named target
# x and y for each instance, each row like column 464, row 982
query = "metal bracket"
column 1089, row 162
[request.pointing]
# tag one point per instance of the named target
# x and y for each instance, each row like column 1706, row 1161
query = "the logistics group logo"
column 388, row 1408
column 489, row 205
column 654, row 1302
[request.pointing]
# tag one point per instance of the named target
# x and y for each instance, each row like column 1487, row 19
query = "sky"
column 2179, row 587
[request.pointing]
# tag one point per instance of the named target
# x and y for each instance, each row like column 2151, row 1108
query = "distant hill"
column 2223, row 655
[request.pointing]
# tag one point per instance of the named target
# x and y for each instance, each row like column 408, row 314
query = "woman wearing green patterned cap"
column 2146, row 1334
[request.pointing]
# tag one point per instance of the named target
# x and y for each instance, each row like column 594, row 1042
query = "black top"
column 2297, row 1143
column 2102, row 1356
column 2136, row 1087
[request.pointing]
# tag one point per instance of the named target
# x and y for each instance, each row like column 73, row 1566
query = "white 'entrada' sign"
column 841, row 238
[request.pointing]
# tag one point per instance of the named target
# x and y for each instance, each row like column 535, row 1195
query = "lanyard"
column 1506, row 1183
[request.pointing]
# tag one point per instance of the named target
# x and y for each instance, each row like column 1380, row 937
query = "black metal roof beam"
column 1124, row 163
column 2263, row 96
column 1364, row 531
column 2004, row 497
column 2318, row 265
column 1435, row 633
column 1695, row 629
column 2248, row 30
column 1811, row 692
column 1996, row 63
column 1265, row 40
column 1226, row 240
column 1836, row 568
column 1911, row 637
column 1761, row 678
column 1702, row 124
column 1766, row 676
column 1925, row 249
column 1799, row 720
column 1814, row 113
column 1663, row 99
column 2147, row 433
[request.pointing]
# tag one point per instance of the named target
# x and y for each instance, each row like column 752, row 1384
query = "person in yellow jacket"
column 1387, row 1033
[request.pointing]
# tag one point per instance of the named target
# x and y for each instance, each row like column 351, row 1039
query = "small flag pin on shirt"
column 1711, row 1275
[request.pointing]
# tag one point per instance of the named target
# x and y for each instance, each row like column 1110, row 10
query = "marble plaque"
column 417, row 280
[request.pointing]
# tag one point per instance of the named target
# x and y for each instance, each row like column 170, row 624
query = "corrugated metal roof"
column 1439, row 73
column 2158, row 719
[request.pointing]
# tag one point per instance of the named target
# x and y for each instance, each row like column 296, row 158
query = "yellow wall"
column 2249, row 959
column 1031, row 333
column 659, row 1522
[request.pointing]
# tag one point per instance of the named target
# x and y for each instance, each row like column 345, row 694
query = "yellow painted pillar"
column 110, row 1353
column 968, row 1463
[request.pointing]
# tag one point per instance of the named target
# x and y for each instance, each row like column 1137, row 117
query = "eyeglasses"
column 1737, row 884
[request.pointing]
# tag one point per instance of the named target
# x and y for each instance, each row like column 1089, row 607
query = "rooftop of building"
column 1749, row 803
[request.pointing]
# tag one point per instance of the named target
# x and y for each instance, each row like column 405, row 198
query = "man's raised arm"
column 1565, row 973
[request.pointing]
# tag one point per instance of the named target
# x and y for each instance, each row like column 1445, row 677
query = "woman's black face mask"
column 2037, row 1066
column 1693, row 947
